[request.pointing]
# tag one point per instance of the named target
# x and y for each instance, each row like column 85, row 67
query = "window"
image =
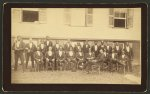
column 121, row 17
column 30, row 16
column 78, row 16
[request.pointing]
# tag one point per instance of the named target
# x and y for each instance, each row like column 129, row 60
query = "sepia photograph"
column 76, row 46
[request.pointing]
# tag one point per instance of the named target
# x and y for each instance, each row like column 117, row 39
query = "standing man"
column 78, row 47
column 102, row 46
column 42, row 48
column 18, row 48
column 129, row 53
column 86, row 47
column 117, row 49
column 60, row 59
column 95, row 48
column 30, row 49
column 67, row 46
column 48, row 43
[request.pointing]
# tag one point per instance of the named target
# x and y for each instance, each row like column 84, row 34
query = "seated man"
column 90, row 59
column 50, row 58
column 101, row 58
column 60, row 59
column 38, row 56
column 71, row 60
column 80, row 59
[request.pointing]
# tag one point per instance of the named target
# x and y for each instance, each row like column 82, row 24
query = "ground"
column 47, row 77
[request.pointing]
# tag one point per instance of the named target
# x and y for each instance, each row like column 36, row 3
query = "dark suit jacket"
column 79, row 57
column 20, row 48
column 90, row 57
column 38, row 57
column 69, row 57
column 50, row 57
column 43, row 50
column 86, row 48
column 49, row 44
column 129, row 53
column 77, row 48
column 30, row 50
column 109, row 49
column 67, row 48
column 62, row 57
column 95, row 51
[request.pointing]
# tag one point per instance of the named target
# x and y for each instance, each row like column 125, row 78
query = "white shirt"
column 107, row 47
column 47, row 42
column 117, row 47
column 60, row 53
column 90, row 53
column 128, row 48
column 38, row 52
column 70, row 53
column 105, row 54
column 30, row 45
column 113, row 55
column 42, row 46
column 80, row 53
column 57, row 45
column 50, row 53
column 123, row 56
column 18, row 43
column 95, row 47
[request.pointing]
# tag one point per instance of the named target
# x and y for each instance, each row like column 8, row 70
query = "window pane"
column 30, row 16
column 119, row 23
column 122, row 15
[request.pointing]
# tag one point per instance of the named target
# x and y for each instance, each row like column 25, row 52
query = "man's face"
column 95, row 43
column 18, row 38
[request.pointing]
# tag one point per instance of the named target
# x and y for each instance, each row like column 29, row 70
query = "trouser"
column 27, row 59
column 73, row 65
column 50, row 64
column 17, row 56
column 39, row 66
column 60, row 65
column 129, row 66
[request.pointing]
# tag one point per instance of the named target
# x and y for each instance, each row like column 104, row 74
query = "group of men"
column 49, row 56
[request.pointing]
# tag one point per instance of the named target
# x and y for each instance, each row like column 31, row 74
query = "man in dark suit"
column 129, row 53
column 50, row 59
column 80, row 59
column 108, row 48
column 86, row 47
column 38, row 56
column 42, row 48
column 113, row 61
column 48, row 43
column 78, row 47
column 56, row 47
column 95, row 48
column 30, row 49
column 102, row 45
column 68, row 46
column 18, row 48
column 71, row 59
column 60, row 59
column 90, row 56
column 118, row 49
